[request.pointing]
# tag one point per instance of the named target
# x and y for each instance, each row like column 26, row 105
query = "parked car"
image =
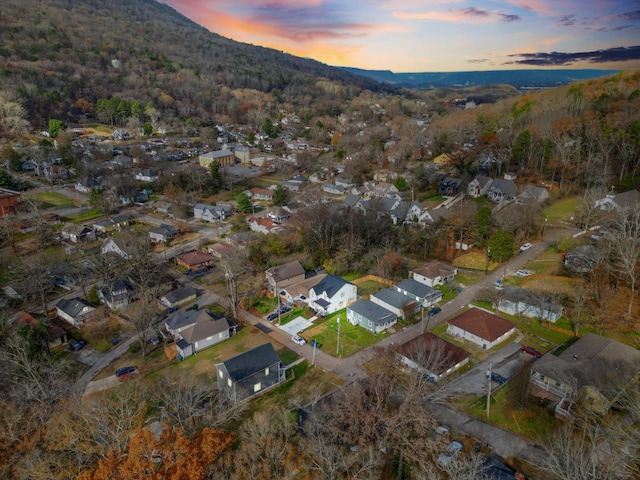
column 272, row 316
column 298, row 340
column 155, row 341
column 525, row 247
column 442, row 430
column 498, row 378
column 524, row 273
column 75, row 346
column 531, row 351
column 125, row 371
column 450, row 453
column 434, row 310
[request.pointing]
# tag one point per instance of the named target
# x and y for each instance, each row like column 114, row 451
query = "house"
column 241, row 239
column 514, row 300
column 424, row 295
column 195, row 260
column 502, row 190
column 333, row 189
column 164, row 207
column 291, row 185
column 121, row 134
column 593, row 372
column 432, row 356
column 583, row 259
column 10, row 202
column 260, row 194
column 371, row 316
column 284, row 275
column 55, row 172
column 221, row 250
column 86, row 184
column 443, row 159
column 264, row 225
column 415, row 213
column 533, row 193
column 479, row 186
column 480, row 327
column 111, row 224
column 117, row 295
column 619, row 202
column 77, row 233
column 212, row 213
column 56, row 334
column 331, row 294
column 163, row 233
column 195, row 330
column 224, row 157
column 74, row 310
column 450, row 187
column 179, row 297
column 278, row 214
column 434, row 273
column 121, row 161
column 123, row 246
column 395, row 301
column 250, row 373
column 147, row 176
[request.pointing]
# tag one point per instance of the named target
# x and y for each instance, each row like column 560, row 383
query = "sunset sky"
column 433, row 35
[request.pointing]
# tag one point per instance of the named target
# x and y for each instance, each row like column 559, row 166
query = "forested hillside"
column 59, row 53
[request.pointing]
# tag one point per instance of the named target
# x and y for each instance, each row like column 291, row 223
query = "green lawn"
column 54, row 200
column 353, row 338
column 531, row 420
column 369, row 287
column 561, row 210
column 83, row 217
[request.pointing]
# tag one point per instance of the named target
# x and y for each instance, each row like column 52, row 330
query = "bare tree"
column 144, row 316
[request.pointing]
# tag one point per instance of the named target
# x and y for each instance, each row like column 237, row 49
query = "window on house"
column 229, row 382
column 220, row 373
column 257, row 387
column 266, row 371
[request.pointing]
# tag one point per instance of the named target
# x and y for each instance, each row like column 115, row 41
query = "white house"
column 418, row 292
column 479, row 186
column 195, row 330
column 212, row 213
column 74, row 310
column 481, row 328
column 434, row 273
column 514, row 300
column 331, row 294
column 432, row 356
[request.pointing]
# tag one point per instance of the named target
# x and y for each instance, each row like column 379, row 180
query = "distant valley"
column 521, row 79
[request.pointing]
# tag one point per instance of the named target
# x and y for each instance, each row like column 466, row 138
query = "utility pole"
column 313, row 357
column 422, row 317
column 544, row 227
column 338, row 343
column 488, row 390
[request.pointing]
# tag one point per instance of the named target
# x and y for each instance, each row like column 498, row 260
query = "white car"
column 524, row 273
column 298, row 340
column 525, row 247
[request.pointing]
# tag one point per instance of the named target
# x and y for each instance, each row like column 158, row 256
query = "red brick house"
column 10, row 202
column 195, row 260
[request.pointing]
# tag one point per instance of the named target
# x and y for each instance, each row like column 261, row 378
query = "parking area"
column 296, row 325
column 88, row 355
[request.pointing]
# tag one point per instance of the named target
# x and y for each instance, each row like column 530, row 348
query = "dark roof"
column 180, row 294
column 164, row 229
column 250, row 362
column 372, row 311
column 593, row 360
column 73, row 306
column 446, row 355
column 482, row 324
column 516, row 294
column 206, row 326
column 393, row 297
column 434, row 269
column 329, row 284
column 286, row 271
column 415, row 288
column 322, row 303
column 183, row 318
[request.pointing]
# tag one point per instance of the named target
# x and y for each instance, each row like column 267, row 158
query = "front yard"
column 353, row 338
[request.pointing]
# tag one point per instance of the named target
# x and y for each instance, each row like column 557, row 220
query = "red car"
column 531, row 351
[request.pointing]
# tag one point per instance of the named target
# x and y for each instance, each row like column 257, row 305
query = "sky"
column 433, row 35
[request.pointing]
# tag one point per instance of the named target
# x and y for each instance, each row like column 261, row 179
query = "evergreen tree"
column 216, row 177
column 244, row 203
column 280, row 196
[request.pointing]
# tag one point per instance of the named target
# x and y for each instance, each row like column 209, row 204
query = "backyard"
column 353, row 338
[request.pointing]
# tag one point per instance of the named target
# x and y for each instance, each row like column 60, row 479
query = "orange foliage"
column 173, row 455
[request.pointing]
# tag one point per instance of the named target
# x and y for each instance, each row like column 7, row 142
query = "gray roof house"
column 434, row 273
column 212, row 213
column 395, row 302
column 418, row 292
column 74, row 310
column 285, row 275
column 179, row 297
column 201, row 329
column 514, row 300
column 250, row 373
column 593, row 371
column 371, row 316
column 118, row 295
column 621, row 201
column 331, row 294
column 533, row 192
column 162, row 233
column 583, row 259
column 111, row 224
column 479, row 186
column 502, row 190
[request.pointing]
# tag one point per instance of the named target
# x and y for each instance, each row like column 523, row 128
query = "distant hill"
column 521, row 79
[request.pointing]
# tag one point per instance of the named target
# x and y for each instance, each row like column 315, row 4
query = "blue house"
column 371, row 316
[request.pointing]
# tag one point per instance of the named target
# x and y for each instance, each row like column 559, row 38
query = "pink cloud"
column 462, row 15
